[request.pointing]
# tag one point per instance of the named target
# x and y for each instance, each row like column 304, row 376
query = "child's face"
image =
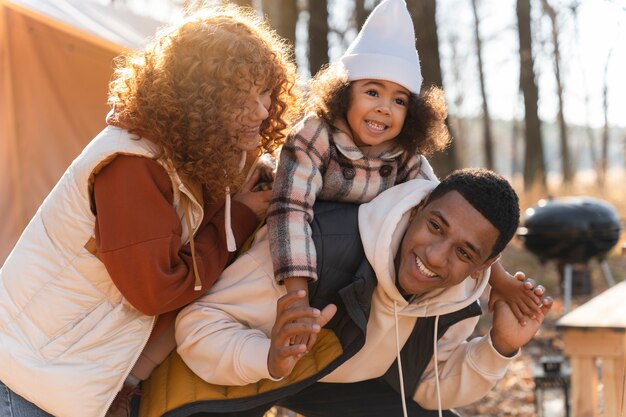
column 254, row 112
column 377, row 111
column 446, row 241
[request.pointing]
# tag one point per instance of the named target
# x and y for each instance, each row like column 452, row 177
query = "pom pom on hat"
column 384, row 49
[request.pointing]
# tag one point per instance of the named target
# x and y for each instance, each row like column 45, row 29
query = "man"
column 409, row 274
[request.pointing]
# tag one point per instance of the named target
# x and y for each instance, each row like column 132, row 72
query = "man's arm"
column 224, row 337
column 468, row 370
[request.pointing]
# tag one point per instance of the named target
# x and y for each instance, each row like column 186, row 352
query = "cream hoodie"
column 224, row 336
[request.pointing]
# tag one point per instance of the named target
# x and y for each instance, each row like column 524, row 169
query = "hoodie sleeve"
column 224, row 336
column 467, row 369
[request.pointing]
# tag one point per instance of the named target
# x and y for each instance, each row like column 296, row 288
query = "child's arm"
column 516, row 291
column 293, row 284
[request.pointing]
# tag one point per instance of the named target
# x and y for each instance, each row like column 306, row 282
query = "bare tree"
column 458, row 99
column 318, row 34
column 566, row 163
column 245, row 3
column 488, row 140
column 424, row 14
column 605, row 130
column 360, row 14
column 590, row 134
column 534, row 166
column 283, row 16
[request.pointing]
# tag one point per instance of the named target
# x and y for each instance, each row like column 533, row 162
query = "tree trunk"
column 245, row 3
column 488, row 141
column 458, row 62
column 283, row 16
column 604, row 158
column 534, row 168
column 360, row 14
column 566, row 164
column 318, row 35
column 424, row 14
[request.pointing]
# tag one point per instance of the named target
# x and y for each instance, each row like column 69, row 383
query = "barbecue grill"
column 571, row 230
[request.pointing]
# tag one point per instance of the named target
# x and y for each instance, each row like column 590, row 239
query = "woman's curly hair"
column 187, row 91
column 424, row 130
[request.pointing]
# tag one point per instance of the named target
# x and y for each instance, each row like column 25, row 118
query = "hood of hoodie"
column 382, row 223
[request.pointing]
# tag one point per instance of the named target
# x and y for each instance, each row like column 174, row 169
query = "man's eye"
column 463, row 253
column 434, row 226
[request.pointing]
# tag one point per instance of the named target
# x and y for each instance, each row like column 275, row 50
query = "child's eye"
column 372, row 93
column 400, row 101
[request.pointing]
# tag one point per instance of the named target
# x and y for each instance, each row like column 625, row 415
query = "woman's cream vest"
column 68, row 338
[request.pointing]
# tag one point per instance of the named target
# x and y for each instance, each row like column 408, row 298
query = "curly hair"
column 490, row 194
column 187, row 90
column 424, row 130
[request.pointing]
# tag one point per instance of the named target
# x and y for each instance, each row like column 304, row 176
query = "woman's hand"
column 257, row 201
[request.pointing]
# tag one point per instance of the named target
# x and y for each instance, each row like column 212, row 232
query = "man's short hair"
column 490, row 194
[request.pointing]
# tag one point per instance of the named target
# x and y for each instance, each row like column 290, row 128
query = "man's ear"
column 415, row 210
column 476, row 274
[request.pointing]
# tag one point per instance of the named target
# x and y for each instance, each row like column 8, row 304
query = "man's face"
column 446, row 241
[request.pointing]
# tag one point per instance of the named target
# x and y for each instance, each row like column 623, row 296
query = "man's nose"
column 437, row 254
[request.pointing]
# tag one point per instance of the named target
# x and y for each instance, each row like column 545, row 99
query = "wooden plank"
column 599, row 343
column 584, row 387
column 613, row 379
column 605, row 310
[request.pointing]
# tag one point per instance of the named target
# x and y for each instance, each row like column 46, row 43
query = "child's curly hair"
column 424, row 130
column 188, row 89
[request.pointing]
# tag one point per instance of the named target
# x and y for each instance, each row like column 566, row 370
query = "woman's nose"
column 258, row 111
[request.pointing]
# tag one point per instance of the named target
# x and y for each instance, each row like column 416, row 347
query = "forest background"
column 535, row 88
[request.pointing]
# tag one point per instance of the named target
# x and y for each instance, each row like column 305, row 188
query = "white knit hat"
column 384, row 49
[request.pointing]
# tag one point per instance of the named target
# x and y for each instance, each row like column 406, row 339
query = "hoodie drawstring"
column 231, row 245
column 198, row 282
column 395, row 315
column 437, row 365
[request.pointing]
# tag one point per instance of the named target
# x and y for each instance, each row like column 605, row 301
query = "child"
column 141, row 223
column 370, row 129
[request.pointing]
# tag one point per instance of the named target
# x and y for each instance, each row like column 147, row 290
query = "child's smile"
column 377, row 111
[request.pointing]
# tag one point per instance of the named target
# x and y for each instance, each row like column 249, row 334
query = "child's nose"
column 383, row 109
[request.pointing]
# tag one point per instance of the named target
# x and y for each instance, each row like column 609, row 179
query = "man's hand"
column 507, row 334
column 283, row 355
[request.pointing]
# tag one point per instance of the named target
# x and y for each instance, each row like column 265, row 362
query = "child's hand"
column 283, row 354
column 304, row 338
column 519, row 293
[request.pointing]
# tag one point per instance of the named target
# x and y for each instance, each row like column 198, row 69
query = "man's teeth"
column 374, row 125
column 423, row 269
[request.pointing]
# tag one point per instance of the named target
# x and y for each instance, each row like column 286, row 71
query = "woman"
column 142, row 222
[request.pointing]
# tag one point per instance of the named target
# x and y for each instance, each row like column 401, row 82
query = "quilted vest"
column 68, row 338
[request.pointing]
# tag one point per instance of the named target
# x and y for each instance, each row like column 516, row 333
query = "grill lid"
column 570, row 217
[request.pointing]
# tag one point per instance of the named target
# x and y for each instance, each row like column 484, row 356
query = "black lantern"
column 551, row 374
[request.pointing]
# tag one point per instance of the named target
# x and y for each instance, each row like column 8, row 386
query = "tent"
column 55, row 66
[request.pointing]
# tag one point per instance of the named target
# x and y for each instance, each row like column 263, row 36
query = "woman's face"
column 255, row 111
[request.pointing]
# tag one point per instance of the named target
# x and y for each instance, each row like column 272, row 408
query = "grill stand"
column 567, row 281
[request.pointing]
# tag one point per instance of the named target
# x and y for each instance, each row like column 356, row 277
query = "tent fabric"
column 55, row 65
